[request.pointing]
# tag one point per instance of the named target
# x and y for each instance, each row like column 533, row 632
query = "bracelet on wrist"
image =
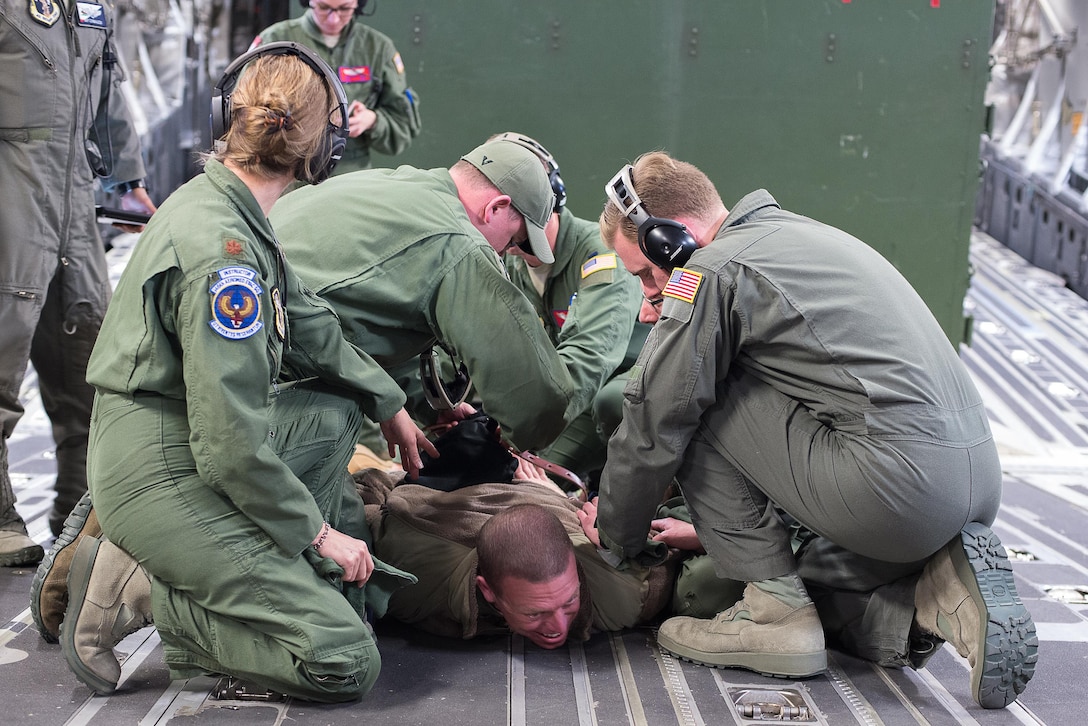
column 321, row 537
column 127, row 186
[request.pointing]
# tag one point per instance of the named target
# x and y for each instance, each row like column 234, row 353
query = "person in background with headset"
column 588, row 304
column 805, row 399
column 63, row 121
column 383, row 111
column 227, row 406
column 418, row 265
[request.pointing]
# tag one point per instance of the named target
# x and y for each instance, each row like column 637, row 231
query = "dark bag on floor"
column 471, row 453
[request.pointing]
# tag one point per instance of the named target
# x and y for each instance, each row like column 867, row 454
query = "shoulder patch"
column 236, row 303
column 398, row 63
column 606, row 261
column 683, row 285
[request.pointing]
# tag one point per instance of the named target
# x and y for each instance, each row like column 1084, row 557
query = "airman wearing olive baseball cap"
column 517, row 172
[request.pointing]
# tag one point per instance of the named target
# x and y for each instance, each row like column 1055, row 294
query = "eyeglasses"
column 326, row 10
column 654, row 301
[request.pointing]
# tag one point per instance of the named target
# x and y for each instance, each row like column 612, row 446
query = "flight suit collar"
column 748, row 208
column 235, row 189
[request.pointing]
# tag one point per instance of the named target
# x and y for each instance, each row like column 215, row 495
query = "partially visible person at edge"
column 63, row 121
column 419, row 265
column 804, row 398
column 227, row 407
column 588, row 305
column 383, row 111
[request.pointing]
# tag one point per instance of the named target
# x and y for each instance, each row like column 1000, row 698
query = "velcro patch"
column 354, row 74
column 90, row 15
column 236, row 303
column 683, row 285
column 597, row 263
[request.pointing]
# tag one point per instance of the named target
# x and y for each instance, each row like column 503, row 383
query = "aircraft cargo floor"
column 1029, row 356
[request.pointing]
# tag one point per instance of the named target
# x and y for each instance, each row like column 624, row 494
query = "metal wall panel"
column 863, row 114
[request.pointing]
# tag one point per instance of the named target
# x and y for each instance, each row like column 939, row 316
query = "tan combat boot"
column 49, row 588
column 759, row 633
column 17, row 549
column 109, row 597
column 966, row 595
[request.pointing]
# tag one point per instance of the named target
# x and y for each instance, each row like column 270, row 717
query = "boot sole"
column 73, row 525
column 1008, row 651
column 777, row 665
column 31, row 555
column 79, row 578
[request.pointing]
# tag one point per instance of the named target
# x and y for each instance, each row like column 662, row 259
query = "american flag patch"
column 683, row 285
column 599, row 262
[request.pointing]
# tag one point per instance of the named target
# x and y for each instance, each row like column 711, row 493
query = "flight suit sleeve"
column 674, row 381
column 397, row 108
column 318, row 346
column 516, row 371
column 227, row 378
column 594, row 337
column 113, row 121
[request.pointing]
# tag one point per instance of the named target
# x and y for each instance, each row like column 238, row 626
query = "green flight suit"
column 589, row 306
column 372, row 72
column 54, row 281
column 433, row 533
column 226, row 411
column 394, row 253
column 795, row 370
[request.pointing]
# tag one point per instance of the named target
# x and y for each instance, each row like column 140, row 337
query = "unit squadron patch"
column 236, row 303
column 45, row 12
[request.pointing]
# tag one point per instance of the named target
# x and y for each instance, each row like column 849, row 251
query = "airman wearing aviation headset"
column 800, row 391
column 227, row 407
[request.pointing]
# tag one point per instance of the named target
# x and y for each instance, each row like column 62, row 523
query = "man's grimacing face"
column 540, row 611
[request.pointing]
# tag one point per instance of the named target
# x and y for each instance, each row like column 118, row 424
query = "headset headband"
column 550, row 163
column 621, row 190
column 224, row 89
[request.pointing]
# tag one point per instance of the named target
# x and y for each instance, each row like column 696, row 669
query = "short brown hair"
column 668, row 188
column 525, row 541
column 280, row 113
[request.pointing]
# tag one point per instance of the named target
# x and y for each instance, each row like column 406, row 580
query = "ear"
column 496, row 205
column 485, row 589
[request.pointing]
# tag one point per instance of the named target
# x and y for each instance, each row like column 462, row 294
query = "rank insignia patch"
column 279, row 313
column 598, row 263
column 236, row 303
column 45, row 12
column 354, row 74
column 683, row 285
column 232, row 248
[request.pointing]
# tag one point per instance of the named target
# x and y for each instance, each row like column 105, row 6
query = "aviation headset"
column 665, row 242
column 336, row 136
column 358, row 10
column 554, row 179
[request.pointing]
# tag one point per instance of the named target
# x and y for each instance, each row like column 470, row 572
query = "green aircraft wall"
column 865, row 114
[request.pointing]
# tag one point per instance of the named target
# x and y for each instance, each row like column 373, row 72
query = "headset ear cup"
column 666, row 242
column 218, row 118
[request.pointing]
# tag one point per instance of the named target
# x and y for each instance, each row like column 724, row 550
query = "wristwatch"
column 128, row 186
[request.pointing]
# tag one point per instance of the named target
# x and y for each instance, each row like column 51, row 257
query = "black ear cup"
column 336, row 136
column 665, row 242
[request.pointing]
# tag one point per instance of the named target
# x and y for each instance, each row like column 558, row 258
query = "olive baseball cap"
column 517, row 172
